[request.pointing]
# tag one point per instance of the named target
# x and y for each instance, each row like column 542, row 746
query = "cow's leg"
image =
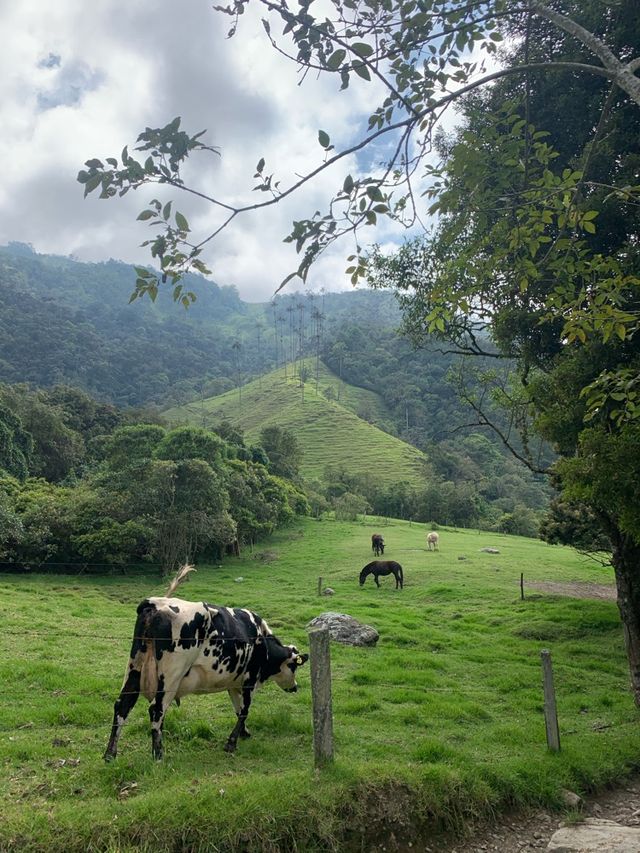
column 157, row 709
column 375, row 577
column 236, row 697
column 123, row 705
column 242, row 713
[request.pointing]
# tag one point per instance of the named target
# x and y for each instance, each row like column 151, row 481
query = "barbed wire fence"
column 323, row 684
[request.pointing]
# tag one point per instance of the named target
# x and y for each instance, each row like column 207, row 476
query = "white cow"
column 433, row 539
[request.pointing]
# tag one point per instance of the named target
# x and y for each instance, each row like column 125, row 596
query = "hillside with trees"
column 332, row 435
column 465, row 480
column 85, row 483
column 68, row 323
column 62, row 321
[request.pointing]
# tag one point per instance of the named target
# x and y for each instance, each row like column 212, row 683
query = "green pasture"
column 438, row 723
column 330, row 432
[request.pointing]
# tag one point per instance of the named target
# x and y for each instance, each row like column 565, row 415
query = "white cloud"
column 82, row 80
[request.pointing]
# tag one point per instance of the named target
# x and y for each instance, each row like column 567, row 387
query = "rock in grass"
column 570, row 799
column 345, row 629
column 490, row 550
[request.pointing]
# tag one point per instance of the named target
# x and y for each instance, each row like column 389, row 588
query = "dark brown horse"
column 377, row 544
column 382, row 567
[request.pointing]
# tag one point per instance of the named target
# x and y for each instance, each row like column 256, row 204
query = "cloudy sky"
column 81, row 79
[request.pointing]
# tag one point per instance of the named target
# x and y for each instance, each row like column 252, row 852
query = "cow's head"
column 286, row 675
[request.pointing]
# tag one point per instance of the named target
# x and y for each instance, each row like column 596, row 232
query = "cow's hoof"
column 229, row 747
column 245, row 734
column 109, row 756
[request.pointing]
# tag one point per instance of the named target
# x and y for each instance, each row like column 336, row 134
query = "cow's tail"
column 181, row 574
column 401, row 574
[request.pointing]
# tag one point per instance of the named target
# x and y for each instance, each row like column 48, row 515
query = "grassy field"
column 439, row 722
column 330, row 433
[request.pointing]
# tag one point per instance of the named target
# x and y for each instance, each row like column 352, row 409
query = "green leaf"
column 347, row 186
column 323, row 138
column 362, row 49
column 146, row 214
column 93, row 182
column 361, row 70
column 336, row 59
column 181, row 222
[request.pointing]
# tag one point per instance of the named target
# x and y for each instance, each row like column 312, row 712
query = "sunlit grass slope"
column 440, row 721
column 329, row 432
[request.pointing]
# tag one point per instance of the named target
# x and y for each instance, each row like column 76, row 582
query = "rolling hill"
column 331, row 433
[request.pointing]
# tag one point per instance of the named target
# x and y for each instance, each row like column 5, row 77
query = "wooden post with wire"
column 320, row 585
column 550, row 709
column 522, row 586
column 321, row 696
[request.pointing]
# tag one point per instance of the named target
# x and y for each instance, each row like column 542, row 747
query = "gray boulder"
column 595, row 836
column 345, row 629
column 490, row 550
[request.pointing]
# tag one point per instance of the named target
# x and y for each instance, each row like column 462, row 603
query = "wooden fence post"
column 550, row 710
column 320, row 586
column 522, row 586
column 321, row 696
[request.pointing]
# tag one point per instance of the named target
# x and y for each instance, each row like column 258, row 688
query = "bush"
column 349, row 507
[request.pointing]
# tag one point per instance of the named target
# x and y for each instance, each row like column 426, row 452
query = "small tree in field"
column 349, row 506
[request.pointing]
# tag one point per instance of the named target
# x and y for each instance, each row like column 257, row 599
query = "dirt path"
column 575, row 589
column 526, row 833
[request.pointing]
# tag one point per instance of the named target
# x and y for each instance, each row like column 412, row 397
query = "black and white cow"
column 181, row 647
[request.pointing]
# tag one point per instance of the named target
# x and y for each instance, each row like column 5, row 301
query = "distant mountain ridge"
column 63, row 321
column 66, row 322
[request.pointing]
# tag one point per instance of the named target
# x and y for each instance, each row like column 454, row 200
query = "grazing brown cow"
column 377, row 544
column 433, row 539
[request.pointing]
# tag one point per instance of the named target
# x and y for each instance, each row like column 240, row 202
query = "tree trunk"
column 626, row 563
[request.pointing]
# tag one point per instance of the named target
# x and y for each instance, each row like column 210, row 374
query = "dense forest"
column 78, row 364
column 84, row 483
